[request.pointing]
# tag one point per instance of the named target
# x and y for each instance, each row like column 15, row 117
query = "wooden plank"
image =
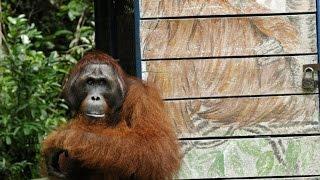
column 286, row 156
column 227, row 77
column 245, row 116
column 232, row 36
column 175, row 8
column 296, row 178
column 306, row 177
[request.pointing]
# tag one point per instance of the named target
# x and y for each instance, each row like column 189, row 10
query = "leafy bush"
column 31, row 70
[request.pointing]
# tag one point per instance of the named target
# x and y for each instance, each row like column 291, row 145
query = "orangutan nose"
column 95, row 98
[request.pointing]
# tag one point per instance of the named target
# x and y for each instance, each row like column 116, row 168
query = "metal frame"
column 318, row 40
column 106, row 27
column 137, row 19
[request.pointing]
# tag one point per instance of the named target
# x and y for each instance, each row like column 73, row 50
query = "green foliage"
column 249, row 148
column 217, row 165
column 31, row 72
column 236, row 162
column 265, row 160
column 292, row 155
column 265, row 163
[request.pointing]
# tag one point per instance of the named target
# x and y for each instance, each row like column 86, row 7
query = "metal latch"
column 310, row 77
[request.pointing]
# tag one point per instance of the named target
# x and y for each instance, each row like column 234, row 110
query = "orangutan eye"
column 90, row 82
column 102, row 82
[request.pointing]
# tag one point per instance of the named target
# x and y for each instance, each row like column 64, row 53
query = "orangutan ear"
column 68, row 94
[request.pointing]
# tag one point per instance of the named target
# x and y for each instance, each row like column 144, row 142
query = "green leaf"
column 203, row 158
column 8, row 140
column 191, row 157
column 26, row 130
column 22, row 107
column 280, row 169
column 292, row 155
column 75, row 9
column 85, row 40
column 217, row 165
column 265, row 163
column 3, row 163
column 21, row 16
column 63, row 32
column 237, row 163
column 249, row 148
column 12, row 20
column 16, row 130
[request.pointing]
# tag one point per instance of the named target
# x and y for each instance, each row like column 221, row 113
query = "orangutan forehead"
column 98, row 69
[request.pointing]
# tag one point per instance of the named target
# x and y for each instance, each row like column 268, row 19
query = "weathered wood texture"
column 172, row 51
column 245, row 116
column 304, row 177
column 174, row 8
column 232, row 36
column 251, row 157
column 227, row 77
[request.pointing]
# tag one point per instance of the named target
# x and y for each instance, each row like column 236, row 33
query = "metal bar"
column 105, row 27
column 318, row 28
column 318, row 38
column 137, row 38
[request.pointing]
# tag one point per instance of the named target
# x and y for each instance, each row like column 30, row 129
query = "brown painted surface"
column 245, row 116
column 174, row 8
column 227, row 77
column 226, row 90
column 232, row 36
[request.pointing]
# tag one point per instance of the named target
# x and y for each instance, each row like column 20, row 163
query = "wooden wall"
column 230, row 73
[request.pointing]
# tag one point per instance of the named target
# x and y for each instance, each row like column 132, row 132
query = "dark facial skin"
column 99, row 90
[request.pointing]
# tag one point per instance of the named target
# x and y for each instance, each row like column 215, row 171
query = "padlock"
column 308, row 80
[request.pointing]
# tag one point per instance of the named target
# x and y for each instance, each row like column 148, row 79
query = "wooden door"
column 230, row 73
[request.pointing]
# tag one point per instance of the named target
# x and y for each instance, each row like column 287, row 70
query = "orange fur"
column 142, row 144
